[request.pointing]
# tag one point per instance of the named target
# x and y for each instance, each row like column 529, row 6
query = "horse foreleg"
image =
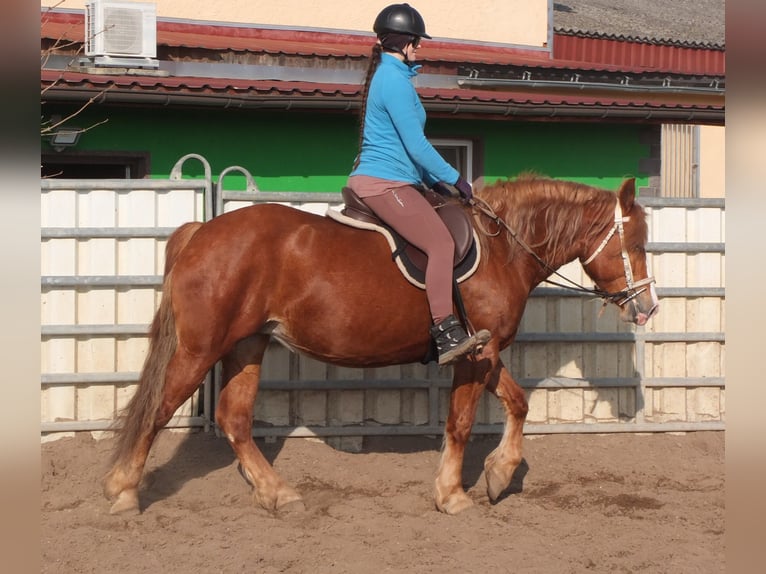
column 467, row 387
column 234, row 415
column 502, row 462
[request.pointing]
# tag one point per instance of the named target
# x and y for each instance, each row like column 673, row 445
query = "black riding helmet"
column 400, row 19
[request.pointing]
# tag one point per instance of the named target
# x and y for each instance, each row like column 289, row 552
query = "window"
column 459, row 153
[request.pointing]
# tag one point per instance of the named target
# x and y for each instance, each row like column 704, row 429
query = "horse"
column 331, row 291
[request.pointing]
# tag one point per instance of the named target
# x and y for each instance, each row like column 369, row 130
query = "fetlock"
column 452, row 342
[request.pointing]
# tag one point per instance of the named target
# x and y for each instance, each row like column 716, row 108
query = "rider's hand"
column 464, row 188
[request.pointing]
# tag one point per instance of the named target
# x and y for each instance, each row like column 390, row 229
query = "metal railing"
column 216, row 203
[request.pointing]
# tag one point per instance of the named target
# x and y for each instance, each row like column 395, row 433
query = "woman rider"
column 395, row 158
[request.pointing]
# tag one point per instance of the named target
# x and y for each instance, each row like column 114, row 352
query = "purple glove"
column 464, row 188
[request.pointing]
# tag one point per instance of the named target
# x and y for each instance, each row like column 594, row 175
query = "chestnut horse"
column 332, row 292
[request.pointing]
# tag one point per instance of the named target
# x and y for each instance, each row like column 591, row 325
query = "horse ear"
column 627, row 194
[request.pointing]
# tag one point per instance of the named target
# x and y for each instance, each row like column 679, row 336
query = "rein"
column 619, row 298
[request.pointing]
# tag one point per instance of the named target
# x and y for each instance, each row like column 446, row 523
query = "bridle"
column 633, row 288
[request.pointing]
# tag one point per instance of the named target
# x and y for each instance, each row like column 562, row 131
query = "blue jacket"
column 394, row 145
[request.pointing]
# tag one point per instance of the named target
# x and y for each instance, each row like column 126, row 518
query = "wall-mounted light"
column 64, row 138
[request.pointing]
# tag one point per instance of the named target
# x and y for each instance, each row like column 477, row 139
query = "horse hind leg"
column 154, row 402
column 165, row 385
column 234, row 415
column 502, row 462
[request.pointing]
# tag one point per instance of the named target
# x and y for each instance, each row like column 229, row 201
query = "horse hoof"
column 496, row 484
column 456, row 504
column 126, row 503
column 292, row 507
column 287, row 500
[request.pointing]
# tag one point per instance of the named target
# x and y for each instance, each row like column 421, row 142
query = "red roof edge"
column 569, row 51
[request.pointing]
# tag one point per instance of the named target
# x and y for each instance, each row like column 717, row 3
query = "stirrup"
column 452, row 342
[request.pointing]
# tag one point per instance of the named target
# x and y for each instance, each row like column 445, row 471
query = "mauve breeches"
column 410, row 214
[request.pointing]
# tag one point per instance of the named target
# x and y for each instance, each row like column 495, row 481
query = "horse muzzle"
column 639, row 304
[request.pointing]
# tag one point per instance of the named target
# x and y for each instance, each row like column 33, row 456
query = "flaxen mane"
column 545, row 211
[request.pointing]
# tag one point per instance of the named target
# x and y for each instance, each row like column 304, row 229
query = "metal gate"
column 581, row 372
column 102, row 258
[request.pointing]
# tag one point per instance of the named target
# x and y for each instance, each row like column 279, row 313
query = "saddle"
column 411, row 260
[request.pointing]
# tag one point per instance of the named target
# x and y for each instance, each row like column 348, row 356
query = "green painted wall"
column 309, row 151
column 597, row 154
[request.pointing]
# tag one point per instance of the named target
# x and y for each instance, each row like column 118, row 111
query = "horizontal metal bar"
column 123, row 184
column 579, row 337
column 85, row 233
column 687, row 382
column 284, row 196
column 687, row 202
column 55, row 379
column 578, row 383
column 406, row 430
column 690, row 248
column 352, row 384
column 105, row 425
column 106, row 232
column 154, row 280
column 484, row 429
column 68, row 379
column 576, row 428
column 101, row 280
column 612, row 337
column 445, row 383
column 301, row 196
column 691, row 292
column 93, row 330
column 712, row 337
column 661, row 292
column 527, row 383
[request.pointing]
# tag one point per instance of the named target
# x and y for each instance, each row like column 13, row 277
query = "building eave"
column 290, row 95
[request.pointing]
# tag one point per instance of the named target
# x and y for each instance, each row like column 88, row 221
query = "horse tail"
column 138, row 419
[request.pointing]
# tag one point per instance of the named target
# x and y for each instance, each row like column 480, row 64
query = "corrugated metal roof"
column 438, row 57
column 620, row 53
column 576, row 52
column 639, row 39
column 688, row 23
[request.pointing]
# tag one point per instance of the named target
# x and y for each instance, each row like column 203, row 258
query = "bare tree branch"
column 49, row 126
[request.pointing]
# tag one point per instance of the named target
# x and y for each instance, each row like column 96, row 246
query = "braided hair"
column 377, row 49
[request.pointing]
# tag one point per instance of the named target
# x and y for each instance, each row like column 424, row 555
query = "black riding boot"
column 452, row 342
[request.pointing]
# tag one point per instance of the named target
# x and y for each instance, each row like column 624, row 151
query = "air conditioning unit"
column 121, row 29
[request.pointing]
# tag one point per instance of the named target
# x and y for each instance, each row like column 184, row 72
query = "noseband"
column 619, row 298
column 632, row 290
